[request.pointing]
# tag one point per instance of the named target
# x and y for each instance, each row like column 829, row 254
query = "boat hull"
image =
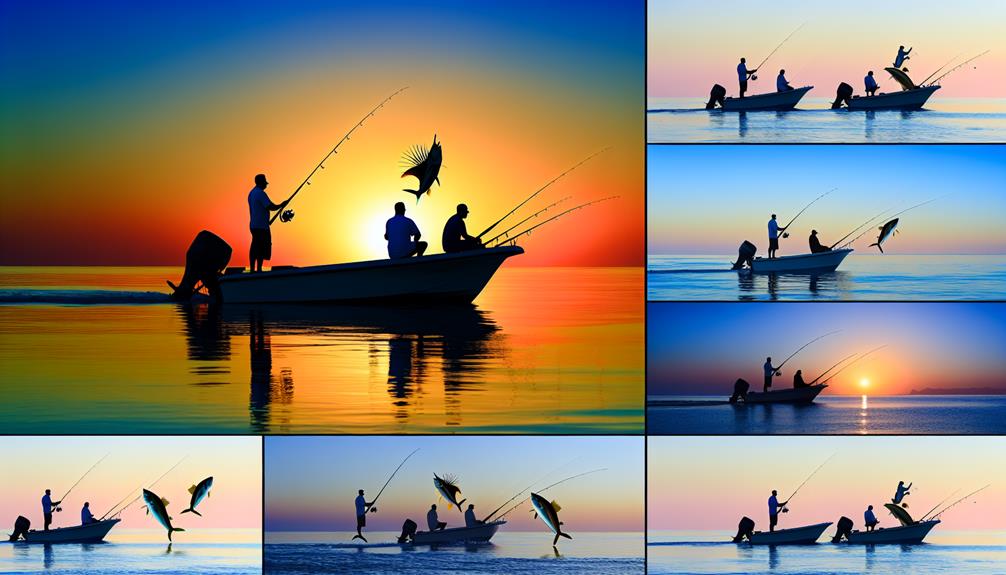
column 479, row 534
column 90, row 533
column 905, row 535
column 905, row 100
column 806, row 535
column 774, row 101
column 441, row 278
column 803, row 263
column 792, row 395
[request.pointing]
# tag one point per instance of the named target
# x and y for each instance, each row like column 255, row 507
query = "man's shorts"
column 773, row 243
column 261, row 245
column 361, row 520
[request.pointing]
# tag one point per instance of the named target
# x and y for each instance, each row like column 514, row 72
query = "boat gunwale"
column 816, row 390
column 494, row 525
column 110, row 524
column 823, row 526
column 928, row 524
column 798, row 93
column 503, row 251
column 930, row 89
column 847, row 251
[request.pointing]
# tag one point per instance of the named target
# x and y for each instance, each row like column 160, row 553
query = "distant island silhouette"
column 959, row 391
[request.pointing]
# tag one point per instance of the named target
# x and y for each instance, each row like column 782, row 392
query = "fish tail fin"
column 460, row 503
column 566, row 535
column 172, row 530
column 556, row 540
column 187, row 510
column 197, row 513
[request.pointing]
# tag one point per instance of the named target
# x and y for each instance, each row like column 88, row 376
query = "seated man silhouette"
column 455, row 238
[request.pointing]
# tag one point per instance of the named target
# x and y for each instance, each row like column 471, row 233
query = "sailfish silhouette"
column 424, row 165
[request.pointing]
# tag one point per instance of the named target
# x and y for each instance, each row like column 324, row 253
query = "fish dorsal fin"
column 164, row 501
column 146, row 510
column 555, row 505
column 192, row 489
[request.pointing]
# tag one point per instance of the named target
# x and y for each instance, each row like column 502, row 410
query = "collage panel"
column 889, row 223
column 836, row 505
column 907, row 368
column 131, row 504
column 802, row 72
column 471, row 504
column 299, row 219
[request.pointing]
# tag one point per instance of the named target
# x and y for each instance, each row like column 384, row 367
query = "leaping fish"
column 447, row 487
column 159, row 507
column 424, row 165
column 199, row 492
column 549, row 512
column 887, row 230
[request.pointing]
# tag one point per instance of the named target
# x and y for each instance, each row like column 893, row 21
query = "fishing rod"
column 786, row 227
column 961, row 65
column 540, row 190
column 542, row 490
column 797, row 490
column 862, row 357
column 968, row 496
column 321, row 164
column 922, row 83
column 114, row 507
column 81, row 478
column 803, row 346
column 519, row 493
column 867, row 223
column 520, row 223
column 831, row 368
column 940, row 503
column 390, row 478
column 557, row 216
column 758, row 67
column 853, row 240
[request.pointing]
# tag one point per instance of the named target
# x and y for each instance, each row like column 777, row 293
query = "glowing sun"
column 864, row 383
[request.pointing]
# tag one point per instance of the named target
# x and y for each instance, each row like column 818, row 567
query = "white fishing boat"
column 441, row 278
column 90, row 533
column 791, row 395
column 820, row 262
column 912, row 99
column 455, row 535
column 776, row 101
column 903, row 534
column 805, row 535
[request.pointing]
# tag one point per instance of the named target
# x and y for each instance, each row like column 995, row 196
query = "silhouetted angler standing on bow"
column 259, row 206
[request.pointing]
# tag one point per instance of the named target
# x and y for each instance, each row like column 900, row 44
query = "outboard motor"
column 21, row 525
column 716, row 96
column 842, row 529
column 408, row 531
column 204, row 261
column 741, row 388
column 745, row 255
column 843, row 96
column 744, row 529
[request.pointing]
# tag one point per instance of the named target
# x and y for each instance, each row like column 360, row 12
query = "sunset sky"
column 701, row 349
column 698, row 207
column 490, row 471
column 709, row 483
column 127, row 128
column 692, row 47
column 34, row 464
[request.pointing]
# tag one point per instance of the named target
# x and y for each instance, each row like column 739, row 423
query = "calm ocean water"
column 860, row 277
column 944, row 120
column 950, row 552
column 510, row 552
column 842, row 415
column 543, row 350
column 228, row 552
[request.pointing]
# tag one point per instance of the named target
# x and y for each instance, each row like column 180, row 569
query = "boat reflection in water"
column 444, row 344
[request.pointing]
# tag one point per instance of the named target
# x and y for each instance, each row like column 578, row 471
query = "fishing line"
column 940, row 68
column 862, row 357
column 519, row 493
column 898, row 214
column 540, row 190
column 805, row 345
column 940, row 503
column 968, row 496
column 156, row 481
column 82, row 478
column 514, row 237
column 859, row 227
column 321, row 164
column 961, row 65
column 392, row 477
column 520, row 223
column 779, row 46
column 505, row 513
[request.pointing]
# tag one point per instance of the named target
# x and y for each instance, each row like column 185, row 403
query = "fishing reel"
column 785, row 235
column 286, row 216
column 754, row 77
column 373, row 510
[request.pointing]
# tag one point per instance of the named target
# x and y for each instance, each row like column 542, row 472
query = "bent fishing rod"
column 799, row 487
column 853, row 240
column 65, row 495
column 851, row 355
column 786, row 227
column 393, row 473
column 962, row 499
column 961, row 65
column 114, row 507
column 803, row 346
column 532, row 216
column 853, row 362
column 521, row 492
column 321, row 164
column 540, row 190
column 770, row 54
column 542, row 490
column 514, row 237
